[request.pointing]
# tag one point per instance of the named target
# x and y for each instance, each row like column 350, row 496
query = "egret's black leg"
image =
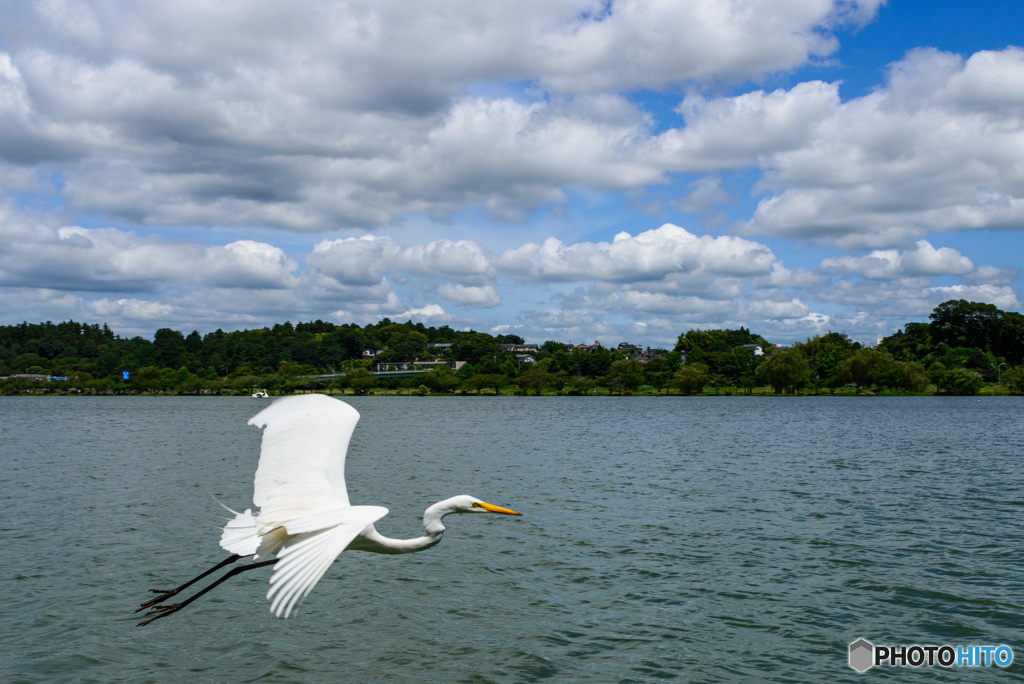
column 161, row 611
column 168, row 593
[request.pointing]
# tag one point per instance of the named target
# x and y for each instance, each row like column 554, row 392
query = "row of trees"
column 965, row 345
column 315, row 355
column 318, row 346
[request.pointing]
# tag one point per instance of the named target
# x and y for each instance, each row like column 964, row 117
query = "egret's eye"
column 476, row 504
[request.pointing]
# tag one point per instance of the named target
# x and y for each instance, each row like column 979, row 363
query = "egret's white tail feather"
column 240, row 535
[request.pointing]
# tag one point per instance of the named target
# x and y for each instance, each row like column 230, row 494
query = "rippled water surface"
column 704, row 539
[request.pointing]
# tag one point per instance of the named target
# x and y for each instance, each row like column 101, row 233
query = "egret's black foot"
column 160, row 611
column 164, row 595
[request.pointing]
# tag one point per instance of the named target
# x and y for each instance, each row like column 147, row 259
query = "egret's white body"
column 305, row 518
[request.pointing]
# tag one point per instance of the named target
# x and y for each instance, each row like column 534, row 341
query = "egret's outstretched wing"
column 305, row 558
column 302, row 459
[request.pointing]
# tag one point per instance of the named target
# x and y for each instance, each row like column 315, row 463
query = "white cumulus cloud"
column 483, row 297
column 923, row 260
column 650, row 255
column 936, row 149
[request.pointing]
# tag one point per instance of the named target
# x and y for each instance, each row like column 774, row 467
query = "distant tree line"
column 965, row 345
column 304, row 356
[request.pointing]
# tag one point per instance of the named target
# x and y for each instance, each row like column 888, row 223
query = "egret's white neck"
column 372, row 540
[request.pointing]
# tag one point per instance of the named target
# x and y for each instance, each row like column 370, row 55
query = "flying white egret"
column 305, row 519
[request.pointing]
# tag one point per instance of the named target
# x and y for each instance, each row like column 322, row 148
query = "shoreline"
column 767, row 393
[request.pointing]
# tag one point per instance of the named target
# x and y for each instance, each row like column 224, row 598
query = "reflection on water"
column 693, row 538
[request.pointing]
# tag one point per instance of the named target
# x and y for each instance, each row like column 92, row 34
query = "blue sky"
column 566, row 169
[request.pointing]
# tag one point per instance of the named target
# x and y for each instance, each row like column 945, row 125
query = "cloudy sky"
column 558, row 169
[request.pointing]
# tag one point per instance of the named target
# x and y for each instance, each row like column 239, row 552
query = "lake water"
column 695, row 539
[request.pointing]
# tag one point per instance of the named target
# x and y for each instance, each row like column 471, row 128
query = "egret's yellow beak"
column 491, row 508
